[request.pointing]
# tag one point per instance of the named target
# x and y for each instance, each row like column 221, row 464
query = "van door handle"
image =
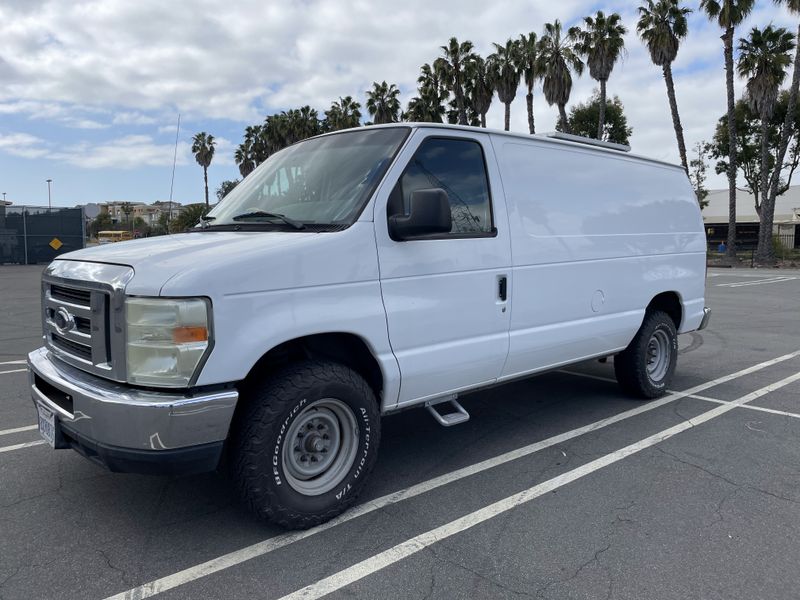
column 502, row 288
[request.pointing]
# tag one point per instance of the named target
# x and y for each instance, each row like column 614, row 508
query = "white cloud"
column 132, row 118
column 22, row 144
column 128, row 64
column 128, row 152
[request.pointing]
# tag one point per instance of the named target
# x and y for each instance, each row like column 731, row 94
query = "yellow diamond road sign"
column 55, row 243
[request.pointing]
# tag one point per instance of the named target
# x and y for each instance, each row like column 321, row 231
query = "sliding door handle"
column 502, row 288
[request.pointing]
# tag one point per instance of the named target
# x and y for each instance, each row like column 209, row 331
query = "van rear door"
column 447, row 295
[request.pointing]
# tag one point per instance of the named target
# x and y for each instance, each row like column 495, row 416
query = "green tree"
column 662, row 25
column 786, row 132
column 729, row 14
column 383, row 103
column 427, row 106
column 203, row 149
column 101, row 223
column 583, row 120
column 557, row 59
column 452, row 66
column 764, row 57
column 479, row 88
column 344, row 113
column 127, row 209
column 225, row 188
column 528, row 54
column 188, row 218
column 697, row 172
column 504, row 66
column 601, row 43
column 748, row 155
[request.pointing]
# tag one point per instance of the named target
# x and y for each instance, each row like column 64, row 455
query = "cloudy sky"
column 90, row 91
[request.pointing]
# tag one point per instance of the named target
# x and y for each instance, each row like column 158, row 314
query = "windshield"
column 325, row 180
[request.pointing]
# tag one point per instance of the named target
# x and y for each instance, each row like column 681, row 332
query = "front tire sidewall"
column 352, row 482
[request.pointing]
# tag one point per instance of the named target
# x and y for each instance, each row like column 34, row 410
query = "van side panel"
column 595, row 237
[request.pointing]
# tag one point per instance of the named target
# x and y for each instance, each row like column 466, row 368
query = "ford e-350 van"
column 355, row 274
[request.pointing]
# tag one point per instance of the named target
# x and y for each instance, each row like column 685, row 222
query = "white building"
column 786, row 222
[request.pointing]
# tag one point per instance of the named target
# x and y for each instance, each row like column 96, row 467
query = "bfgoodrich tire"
column 305, row 443
column 645, row 368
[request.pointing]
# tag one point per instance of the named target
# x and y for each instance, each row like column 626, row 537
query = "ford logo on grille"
column 63, row 320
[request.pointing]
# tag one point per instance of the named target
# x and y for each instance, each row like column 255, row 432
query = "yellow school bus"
column 107, row 237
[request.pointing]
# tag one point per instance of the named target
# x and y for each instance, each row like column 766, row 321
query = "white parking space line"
column 14, row 371
column 21, row 446
column 778, row 279
column 18, row 429
column 269, row 545
column 694, row 396
column 405, row 549
column 750, row 407
column 13, row 362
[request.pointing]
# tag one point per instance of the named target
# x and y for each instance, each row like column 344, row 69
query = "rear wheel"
column 304, row 445
column 645, row 368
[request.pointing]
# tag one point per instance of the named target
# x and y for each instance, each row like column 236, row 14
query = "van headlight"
column 167, row 339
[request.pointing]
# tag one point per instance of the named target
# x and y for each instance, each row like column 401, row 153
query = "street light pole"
column 4, row 197
column 49, row 203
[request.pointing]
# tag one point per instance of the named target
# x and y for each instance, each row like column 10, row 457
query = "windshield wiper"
column 260, row 214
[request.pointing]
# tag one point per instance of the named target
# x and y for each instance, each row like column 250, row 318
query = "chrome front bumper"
column 95, row 412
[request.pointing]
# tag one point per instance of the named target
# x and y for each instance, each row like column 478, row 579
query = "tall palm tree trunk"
column 764, row 248
column 205, row 178
column 508, row 116
column 732, row 168
column 562, row 114
column 462, row 110
column 529, row 101
column 602, row 120
column 483, row 120
column 676, row 119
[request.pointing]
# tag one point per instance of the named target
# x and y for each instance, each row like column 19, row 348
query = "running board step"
column 457, row 415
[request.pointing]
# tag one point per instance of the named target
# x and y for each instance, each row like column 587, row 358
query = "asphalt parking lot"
column 558, row 487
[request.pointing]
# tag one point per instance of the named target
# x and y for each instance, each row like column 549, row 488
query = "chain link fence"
column 31, row 235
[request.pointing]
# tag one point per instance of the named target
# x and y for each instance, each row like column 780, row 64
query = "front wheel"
column 645, row 368
column 304, row 445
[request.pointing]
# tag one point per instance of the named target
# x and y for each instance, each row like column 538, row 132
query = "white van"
column 355, row 274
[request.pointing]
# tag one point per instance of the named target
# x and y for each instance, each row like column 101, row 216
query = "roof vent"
column 579, row 139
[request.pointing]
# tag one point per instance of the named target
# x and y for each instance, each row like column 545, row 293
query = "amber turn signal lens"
column 183, row 335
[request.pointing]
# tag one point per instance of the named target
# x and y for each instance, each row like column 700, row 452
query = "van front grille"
column 71, row 295
column 76, row 349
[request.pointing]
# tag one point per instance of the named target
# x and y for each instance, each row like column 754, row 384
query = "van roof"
column 544, row 138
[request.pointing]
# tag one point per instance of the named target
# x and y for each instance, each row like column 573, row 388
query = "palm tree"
column 428, row 107
column 480, row 87
column 786, row 131
column 504, row 66
column 602, row 44
column 557, row 57
column 529, row 50
column 343, row 114
column 764, row 58
column 729, row 14
column 243, row 158
column 662, row 26
column 383, row 103
column 203, row 148
column 452, row 66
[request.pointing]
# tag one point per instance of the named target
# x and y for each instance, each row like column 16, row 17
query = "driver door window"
column 457, row 166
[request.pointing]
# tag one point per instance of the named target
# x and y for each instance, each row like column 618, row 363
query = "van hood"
column 186, row 263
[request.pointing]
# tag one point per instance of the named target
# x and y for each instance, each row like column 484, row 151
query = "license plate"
column 47, row 425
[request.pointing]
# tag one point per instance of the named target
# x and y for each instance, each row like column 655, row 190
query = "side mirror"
column 429, row 214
